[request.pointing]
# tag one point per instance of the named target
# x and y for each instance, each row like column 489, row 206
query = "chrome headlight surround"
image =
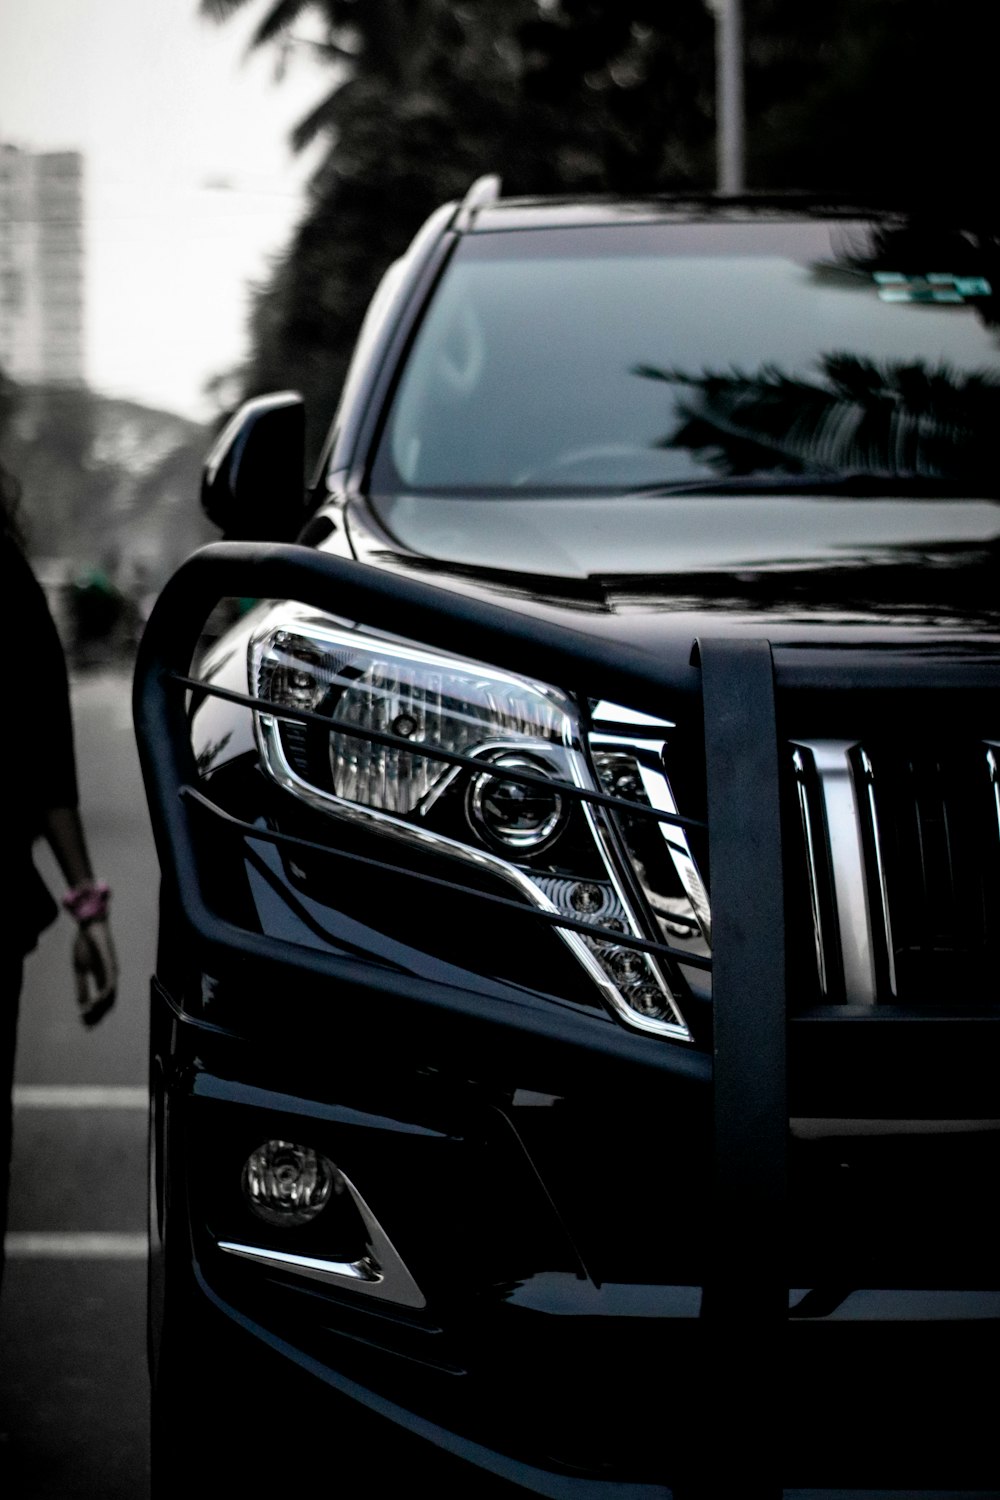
column 364, row 681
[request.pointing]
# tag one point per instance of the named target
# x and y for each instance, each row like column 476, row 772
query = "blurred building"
column 41, row 266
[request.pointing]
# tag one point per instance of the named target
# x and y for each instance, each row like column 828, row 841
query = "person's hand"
column 96, row 969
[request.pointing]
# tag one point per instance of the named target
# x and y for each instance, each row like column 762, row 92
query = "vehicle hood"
column 794, row 568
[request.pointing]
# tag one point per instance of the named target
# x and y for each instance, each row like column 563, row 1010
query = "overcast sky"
column 190, row 183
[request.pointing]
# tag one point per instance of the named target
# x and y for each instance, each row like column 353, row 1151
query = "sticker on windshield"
column 937, row 286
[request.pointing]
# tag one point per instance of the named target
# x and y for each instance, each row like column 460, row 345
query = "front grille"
column 900, row 851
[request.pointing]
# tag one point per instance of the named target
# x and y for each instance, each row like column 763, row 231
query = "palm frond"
column 316, row 121
column 220, row 10
column 891, row 419
column 278, row 20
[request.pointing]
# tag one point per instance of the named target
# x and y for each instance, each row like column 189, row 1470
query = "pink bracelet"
column 88, row 902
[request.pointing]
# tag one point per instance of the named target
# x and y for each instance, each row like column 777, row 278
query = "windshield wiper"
column 856, row 485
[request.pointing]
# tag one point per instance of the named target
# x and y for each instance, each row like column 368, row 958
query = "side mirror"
column 253, row 482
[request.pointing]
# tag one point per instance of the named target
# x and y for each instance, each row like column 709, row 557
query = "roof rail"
column 483, row 191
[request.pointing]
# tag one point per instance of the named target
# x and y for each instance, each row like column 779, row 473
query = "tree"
column 428, row 94
column 879, row 98
column 876, row 98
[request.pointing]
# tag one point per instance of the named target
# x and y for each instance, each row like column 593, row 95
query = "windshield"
column 663, row 355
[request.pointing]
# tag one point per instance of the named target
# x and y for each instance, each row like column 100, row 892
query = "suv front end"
column 575, row 1030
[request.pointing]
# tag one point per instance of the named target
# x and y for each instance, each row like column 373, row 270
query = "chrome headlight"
column 532, row 834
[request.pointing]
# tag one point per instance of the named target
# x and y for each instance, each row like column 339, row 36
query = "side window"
column 453, row 361
column 361, row 357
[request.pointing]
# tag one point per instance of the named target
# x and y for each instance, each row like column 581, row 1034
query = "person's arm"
column 50, row 788
column 94, row 961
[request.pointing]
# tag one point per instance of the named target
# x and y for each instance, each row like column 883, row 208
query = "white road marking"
column 83, row 1096
column 107, row 695
column 71, row 1245
column 75, row 1246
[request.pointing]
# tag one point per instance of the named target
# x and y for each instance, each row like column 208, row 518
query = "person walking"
column 38, row 788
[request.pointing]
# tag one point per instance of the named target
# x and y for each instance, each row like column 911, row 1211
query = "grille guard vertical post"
column 746, row 1294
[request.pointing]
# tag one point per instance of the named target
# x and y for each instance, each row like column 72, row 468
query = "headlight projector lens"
column 287, row 1184
column 511, row 814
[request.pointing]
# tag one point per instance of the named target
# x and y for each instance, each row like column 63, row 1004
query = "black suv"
column 575, row 1029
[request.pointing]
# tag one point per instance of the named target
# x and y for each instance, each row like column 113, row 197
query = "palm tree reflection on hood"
column 857, row 417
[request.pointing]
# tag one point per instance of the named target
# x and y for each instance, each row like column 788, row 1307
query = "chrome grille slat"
column 901, row 852
column 812, row 868
column 883, row 889
column 832, row 764
column 942, row 870
column 993, row 770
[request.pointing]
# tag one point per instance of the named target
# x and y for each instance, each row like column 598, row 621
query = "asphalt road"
column 73, row 1389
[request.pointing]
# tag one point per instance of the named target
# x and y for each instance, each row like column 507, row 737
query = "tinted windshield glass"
column 582, row 359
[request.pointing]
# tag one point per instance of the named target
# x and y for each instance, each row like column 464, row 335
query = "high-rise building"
column 41, row 266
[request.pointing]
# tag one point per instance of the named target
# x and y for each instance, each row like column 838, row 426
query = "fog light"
column 288, row 1184
column 512, row 814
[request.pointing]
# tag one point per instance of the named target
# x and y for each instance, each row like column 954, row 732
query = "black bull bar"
column 735, row 684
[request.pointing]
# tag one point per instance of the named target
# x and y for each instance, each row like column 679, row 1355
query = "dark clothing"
column 39, row 772
column 10, row 988
column 36, row 748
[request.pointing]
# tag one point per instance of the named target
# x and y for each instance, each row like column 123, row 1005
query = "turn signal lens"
column 287, row 1184
column 648, row 1000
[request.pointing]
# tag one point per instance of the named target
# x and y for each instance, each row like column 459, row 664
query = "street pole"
column 729, row 109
